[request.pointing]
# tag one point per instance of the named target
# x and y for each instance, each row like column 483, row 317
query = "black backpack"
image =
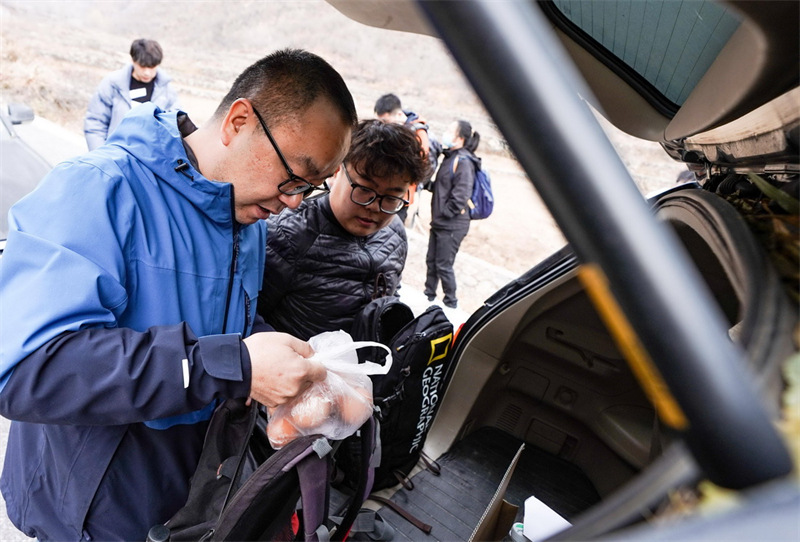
column 407, row 397
column 242, row 489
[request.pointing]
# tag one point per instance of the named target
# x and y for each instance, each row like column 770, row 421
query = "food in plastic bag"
column 337, row 406
column 280, row 432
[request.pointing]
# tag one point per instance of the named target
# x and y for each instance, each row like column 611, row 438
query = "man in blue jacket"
column 129, row 285
column 139, row 82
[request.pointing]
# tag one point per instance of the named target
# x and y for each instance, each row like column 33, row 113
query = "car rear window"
column 669, row 44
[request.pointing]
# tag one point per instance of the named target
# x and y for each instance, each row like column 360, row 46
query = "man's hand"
column 280, row 366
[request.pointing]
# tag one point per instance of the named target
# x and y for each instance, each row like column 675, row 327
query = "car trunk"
column 536, row 365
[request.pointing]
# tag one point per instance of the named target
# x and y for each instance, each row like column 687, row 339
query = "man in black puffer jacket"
column 336, row 252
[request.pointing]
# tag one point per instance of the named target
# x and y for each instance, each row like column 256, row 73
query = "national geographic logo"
column 431, row 379
column 441, row 344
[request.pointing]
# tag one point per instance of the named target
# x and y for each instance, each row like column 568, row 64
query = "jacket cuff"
column 221, row 356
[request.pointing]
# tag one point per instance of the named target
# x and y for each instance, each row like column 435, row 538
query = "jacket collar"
column 154, row 139
column 121, row 78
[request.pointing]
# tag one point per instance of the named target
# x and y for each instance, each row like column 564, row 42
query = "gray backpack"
column 244, row 490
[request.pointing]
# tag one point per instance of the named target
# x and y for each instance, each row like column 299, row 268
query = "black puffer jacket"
column 449, row 210
column 318, row 276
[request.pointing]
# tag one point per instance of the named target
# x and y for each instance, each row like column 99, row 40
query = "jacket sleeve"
column 461, row 189
column 260, row 325
column 119, row 376
column 65, row 357
column 173, row 99
column 170, row 99
column 98, row 115
column 164, row 94
column 397, row 260
column 278, row 270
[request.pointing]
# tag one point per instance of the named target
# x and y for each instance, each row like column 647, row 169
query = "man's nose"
column 292, row 202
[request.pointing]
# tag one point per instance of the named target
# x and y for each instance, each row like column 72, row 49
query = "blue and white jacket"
column 125, row 288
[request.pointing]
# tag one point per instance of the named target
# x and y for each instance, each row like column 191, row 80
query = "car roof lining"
column 759, row 62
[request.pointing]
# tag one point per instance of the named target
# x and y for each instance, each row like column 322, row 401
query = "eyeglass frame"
column 379, row 197
column 307, row 188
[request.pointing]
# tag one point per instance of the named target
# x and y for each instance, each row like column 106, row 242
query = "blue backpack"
column 482, row 201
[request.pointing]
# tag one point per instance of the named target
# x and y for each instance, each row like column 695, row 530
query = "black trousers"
column 443, row 246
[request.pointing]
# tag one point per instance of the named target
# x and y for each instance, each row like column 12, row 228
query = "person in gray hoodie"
column 139, row 82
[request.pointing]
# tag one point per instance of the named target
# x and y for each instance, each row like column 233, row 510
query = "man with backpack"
column 129, row 284
column 450, row 206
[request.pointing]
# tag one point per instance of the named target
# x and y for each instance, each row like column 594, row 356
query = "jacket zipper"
column 363, row 244
column 234, row 258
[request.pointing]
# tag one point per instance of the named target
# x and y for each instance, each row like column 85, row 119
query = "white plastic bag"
column 337, row 406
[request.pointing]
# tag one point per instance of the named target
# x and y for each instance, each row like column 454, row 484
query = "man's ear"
column 235, row 120
column 330, row 181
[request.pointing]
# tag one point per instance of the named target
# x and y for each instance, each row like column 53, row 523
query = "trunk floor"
column 471, row 471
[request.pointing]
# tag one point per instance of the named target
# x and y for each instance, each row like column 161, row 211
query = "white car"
column 21, row 167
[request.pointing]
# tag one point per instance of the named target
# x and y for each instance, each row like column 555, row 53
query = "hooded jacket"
column 451, row 190
column 112, row 101
column 319, row 276
column 116, row 338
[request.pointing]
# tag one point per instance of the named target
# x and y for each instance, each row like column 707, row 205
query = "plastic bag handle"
column 328, row 358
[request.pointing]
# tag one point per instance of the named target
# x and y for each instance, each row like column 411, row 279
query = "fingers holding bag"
column 282, row 367
column 336, row 406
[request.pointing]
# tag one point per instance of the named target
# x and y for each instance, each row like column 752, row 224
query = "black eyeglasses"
column 295, row 184
column 364, row 196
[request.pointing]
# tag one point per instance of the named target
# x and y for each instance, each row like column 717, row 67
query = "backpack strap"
column 314, row 474
column 419, row 524
column 369, row 525
column 369, row 436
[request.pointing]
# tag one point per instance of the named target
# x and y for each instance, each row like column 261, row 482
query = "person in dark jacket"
column 336, row 252
column 129, row 283
column 449, row 208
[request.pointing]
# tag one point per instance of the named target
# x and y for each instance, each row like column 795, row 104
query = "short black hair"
column 379, row 151
column 386, row 104
column 146, row 53
column 287, row 82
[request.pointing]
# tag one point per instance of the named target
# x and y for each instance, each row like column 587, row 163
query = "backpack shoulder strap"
column 263, row 504
column 366, row 476
column 314, row 473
